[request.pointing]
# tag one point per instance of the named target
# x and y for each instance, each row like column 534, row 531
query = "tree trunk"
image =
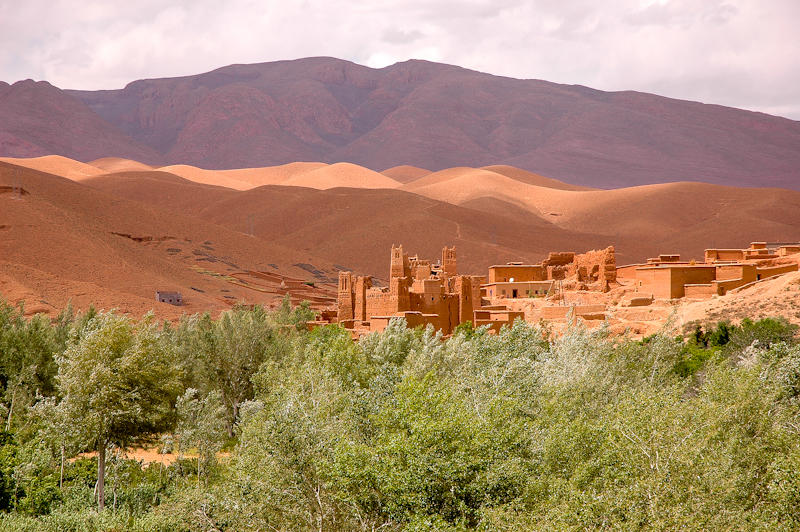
column 235, row 409
column 101, row 474
column 10, row 410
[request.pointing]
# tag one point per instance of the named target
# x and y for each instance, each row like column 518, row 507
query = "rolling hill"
column 113, row 238
column 61, row 241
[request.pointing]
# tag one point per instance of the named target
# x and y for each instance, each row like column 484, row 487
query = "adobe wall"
column 784, row 251
column 463, row 288
column 344, row 300
column 501, row 274
column 723, row 286
column 690, row 275
column 362, row 283
column 724, row 255
column 771, row 271
column 449, row 263
column 700, row 291
column 746, row 272
column 628, row 271
column 413, row 319
column 596, row 265
column 399, row 265
column 668, row 282
column 384, row 302
column 655, row 281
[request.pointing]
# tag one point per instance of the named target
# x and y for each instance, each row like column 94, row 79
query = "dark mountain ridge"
column 418, row 113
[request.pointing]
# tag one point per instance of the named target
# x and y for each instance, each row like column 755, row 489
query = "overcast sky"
column 743, row 53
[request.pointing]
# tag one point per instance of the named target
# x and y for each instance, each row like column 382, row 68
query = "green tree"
column 229, row 351
column 119, row 385
column 201, row 425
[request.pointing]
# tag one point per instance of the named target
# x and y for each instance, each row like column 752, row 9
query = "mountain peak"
column 420, row 113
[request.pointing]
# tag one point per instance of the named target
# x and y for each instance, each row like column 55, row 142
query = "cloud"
column 742, row 53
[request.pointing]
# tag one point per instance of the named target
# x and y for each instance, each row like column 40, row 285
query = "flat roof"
column 548, row 281
column 403, row 314
column 515, row 266
column 674, row 266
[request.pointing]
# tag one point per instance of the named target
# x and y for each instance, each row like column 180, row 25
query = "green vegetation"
column 295, row 430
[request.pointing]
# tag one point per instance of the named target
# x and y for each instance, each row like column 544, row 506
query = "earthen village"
column 589, row 287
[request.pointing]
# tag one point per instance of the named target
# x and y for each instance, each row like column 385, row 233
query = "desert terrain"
column 112, row 231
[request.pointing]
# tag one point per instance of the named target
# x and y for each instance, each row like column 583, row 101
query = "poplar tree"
column 119, row 385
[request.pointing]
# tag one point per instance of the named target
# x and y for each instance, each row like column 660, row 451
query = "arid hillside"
column 354, row 228
column 641, row 221
column 61, row 241
column 416, row 113
column 38, row 119
column 114, row 231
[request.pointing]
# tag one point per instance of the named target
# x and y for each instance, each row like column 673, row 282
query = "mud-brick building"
column 421, row 291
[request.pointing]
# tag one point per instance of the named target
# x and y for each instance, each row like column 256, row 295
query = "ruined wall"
column 596, row 266
column 558, row 258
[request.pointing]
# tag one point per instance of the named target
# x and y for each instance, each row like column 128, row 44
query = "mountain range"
column 429, row 115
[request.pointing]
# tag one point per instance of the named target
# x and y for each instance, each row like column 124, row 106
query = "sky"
column 741, row 53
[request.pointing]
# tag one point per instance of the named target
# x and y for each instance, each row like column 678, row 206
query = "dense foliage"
column 284, row 429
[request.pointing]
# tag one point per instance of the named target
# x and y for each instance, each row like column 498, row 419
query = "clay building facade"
column 593, row 270
column 421, row 291
column 723, row 270
column 435, row 293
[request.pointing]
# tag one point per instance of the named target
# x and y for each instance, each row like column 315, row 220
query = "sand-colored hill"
column 341, row 175
column 206, row 177
column 113, row 238
column 405, row 173
column 302, row 174
column 157, row 188
column 244, row 178
column 461, row 184
column 682, row 217
column 351, row 227
column 58, row 165
column 118, row 164
column 531, row 178
column 271, row 175
column 63, row 240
